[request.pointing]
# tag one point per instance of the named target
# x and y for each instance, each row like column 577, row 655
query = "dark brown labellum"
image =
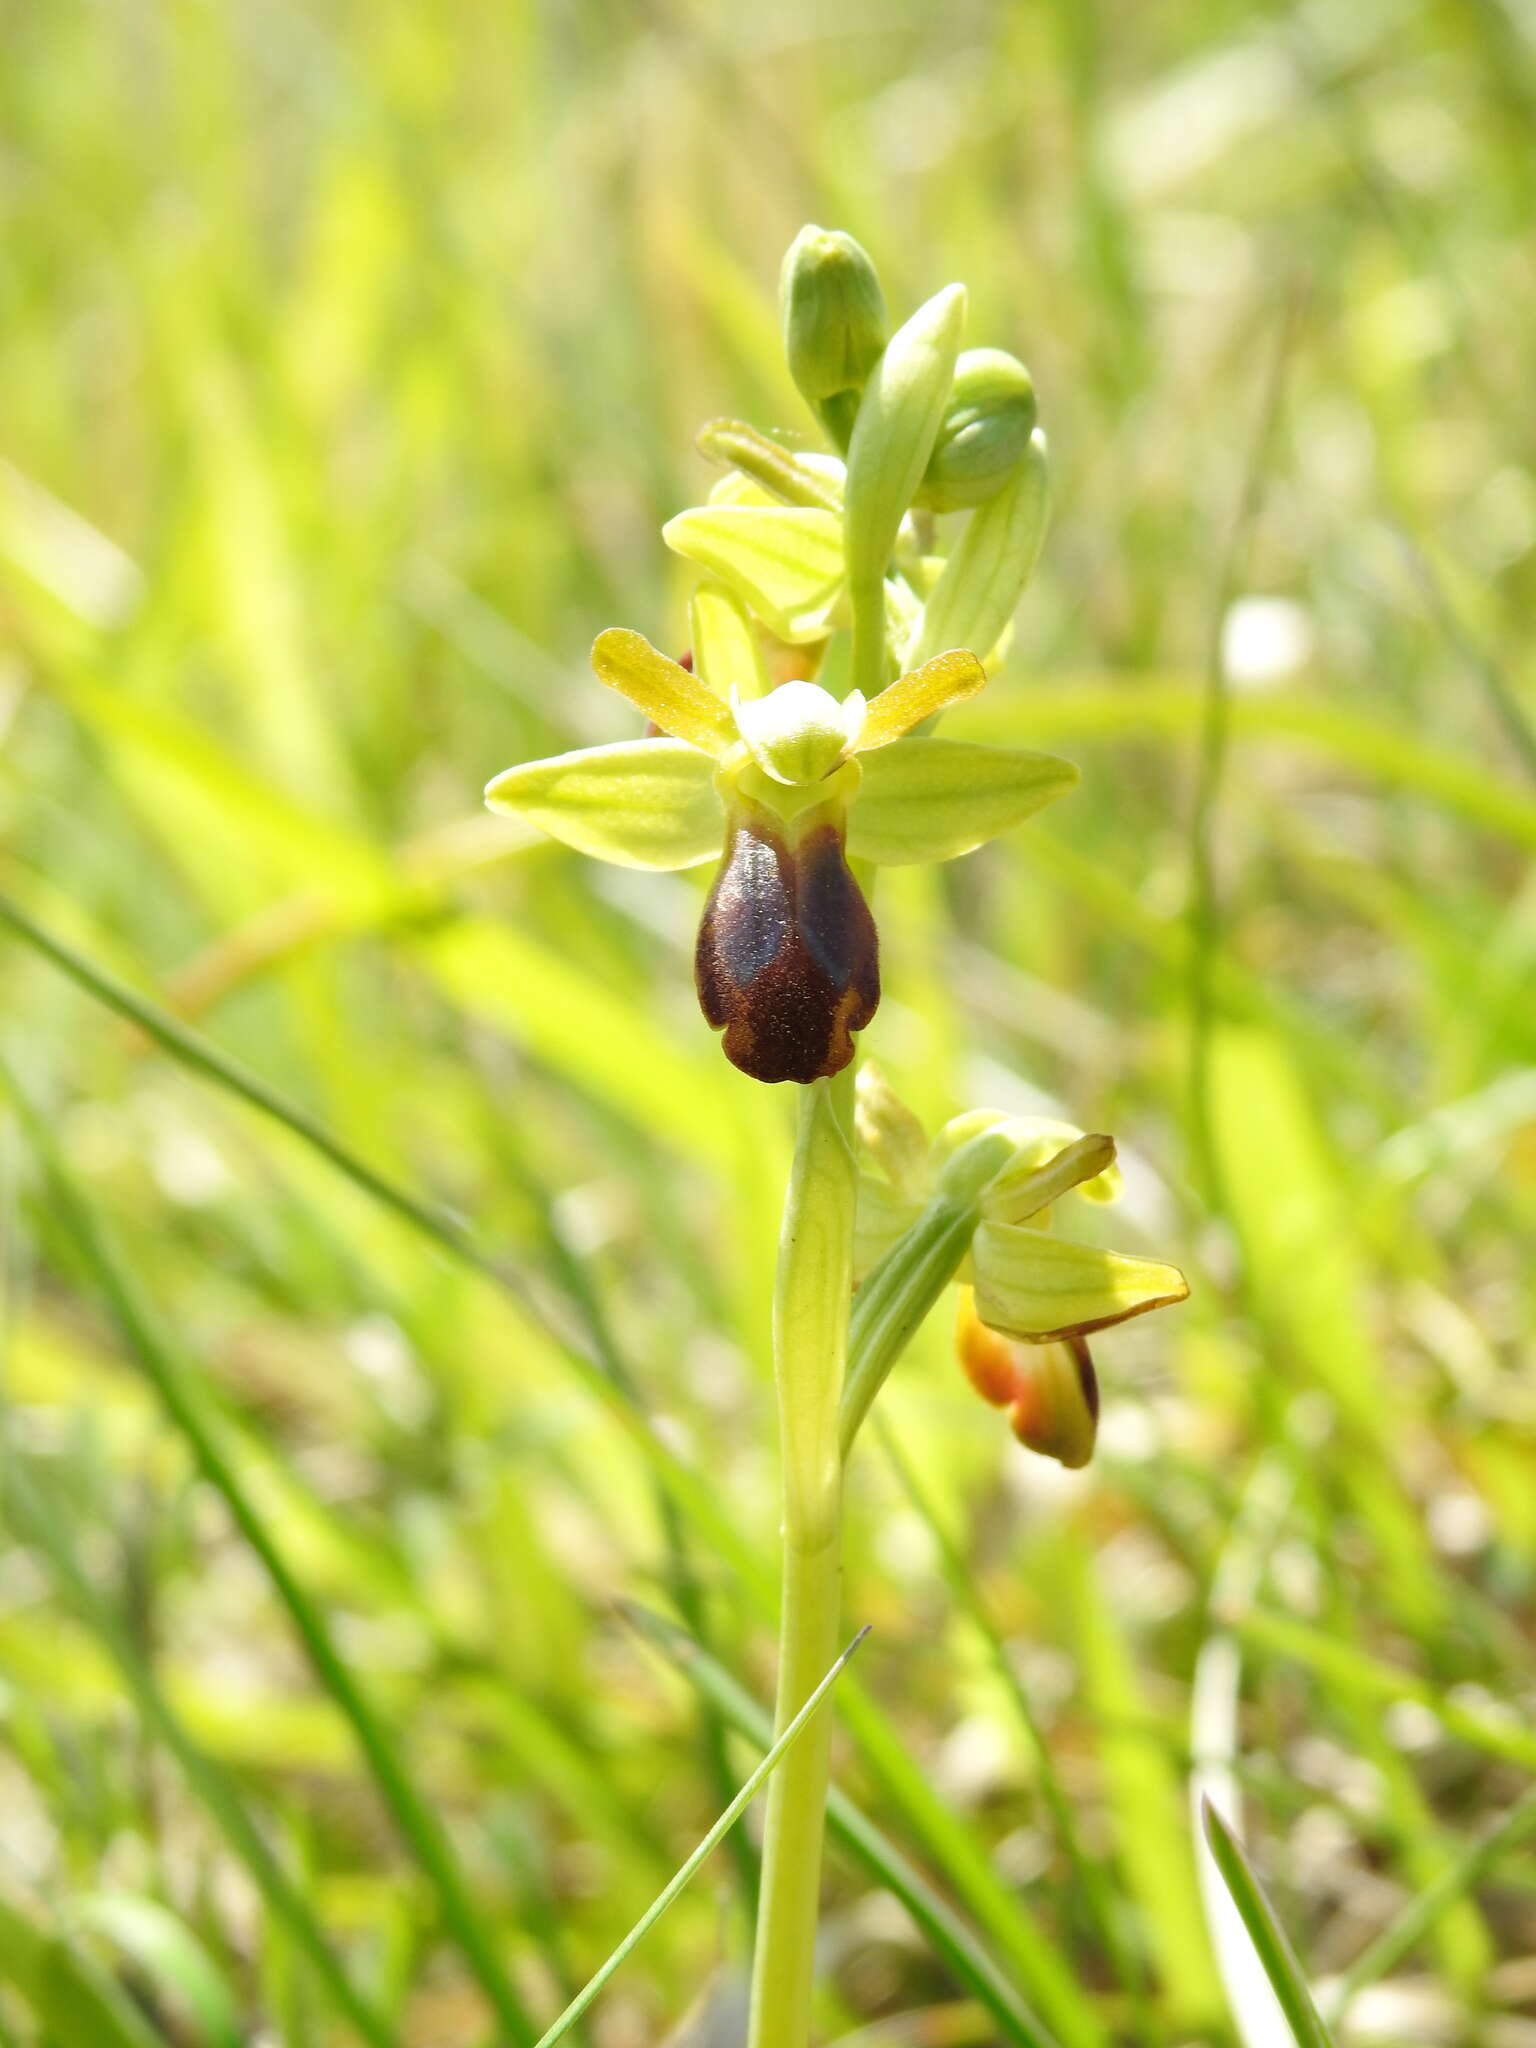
column 788, row 959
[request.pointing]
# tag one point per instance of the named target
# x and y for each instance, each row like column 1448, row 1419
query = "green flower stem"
column 867, row 663
column 907, row 1282
column 810, row 1347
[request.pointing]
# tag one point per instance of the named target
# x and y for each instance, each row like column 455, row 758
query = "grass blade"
column 711, row 1841
column 1268, row 1936
column 34, row 1515
column 170, row 1956
column 1093, row 1881
column 200, row 1056
column 1352, row 1670
column 951, row 1940
column 71, row 1995
column 203, row 1057
column 1404, row 1933
column 1214, row 1710
column 418, row 1827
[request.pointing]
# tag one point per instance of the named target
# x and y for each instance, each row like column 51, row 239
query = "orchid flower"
column 783, row 787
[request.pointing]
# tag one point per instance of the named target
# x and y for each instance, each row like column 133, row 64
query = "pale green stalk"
column 681, row 1876
column 815, row 1280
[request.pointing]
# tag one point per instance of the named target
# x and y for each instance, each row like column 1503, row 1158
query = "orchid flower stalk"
column 793, row 748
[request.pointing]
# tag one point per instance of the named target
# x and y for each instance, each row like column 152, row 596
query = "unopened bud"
column 988, row 419
column 834, row 318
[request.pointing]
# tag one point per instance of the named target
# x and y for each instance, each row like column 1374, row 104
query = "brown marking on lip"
column 787, row 963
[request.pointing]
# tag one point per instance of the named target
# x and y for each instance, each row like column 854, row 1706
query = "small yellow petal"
column 665, row 691
column 1033, row 1182
column 926, row 691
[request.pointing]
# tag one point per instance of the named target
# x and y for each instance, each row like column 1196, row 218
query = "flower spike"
column 783, row 749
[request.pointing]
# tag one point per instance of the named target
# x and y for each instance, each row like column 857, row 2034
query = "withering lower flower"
column 1028, row 1299
column 784, row 787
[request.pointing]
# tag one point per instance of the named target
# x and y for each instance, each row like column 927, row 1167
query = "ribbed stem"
column 810, row 1348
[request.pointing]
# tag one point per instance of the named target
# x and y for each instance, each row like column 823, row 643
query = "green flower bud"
column 834, row 322
column 988, row 419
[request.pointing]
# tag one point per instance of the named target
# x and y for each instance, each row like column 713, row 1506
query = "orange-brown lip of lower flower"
column 787, row 963
column 989, row 1359
column 1036, row 1428
column 1013, row 1375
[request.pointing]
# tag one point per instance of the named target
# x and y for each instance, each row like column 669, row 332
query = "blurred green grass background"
column 350, row 360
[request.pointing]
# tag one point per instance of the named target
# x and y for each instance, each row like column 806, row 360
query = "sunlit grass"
column 350, row 361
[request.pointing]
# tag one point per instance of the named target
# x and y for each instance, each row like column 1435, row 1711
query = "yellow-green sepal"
column 638, row 804
column 1036, row 1287
column 785, row 560
column 932, row 799
column 726, row 652
column 974, row 600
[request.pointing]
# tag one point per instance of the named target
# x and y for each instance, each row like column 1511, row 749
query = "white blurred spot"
column 1411, row 1726
column 186, row 1167
column 1265, row 641
column 590, row 1216
column 1459, row 1524
column 382, row 1353
column 973, row 1761
column 1503, row 518
column 906, row 1546
column 1197, row 255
